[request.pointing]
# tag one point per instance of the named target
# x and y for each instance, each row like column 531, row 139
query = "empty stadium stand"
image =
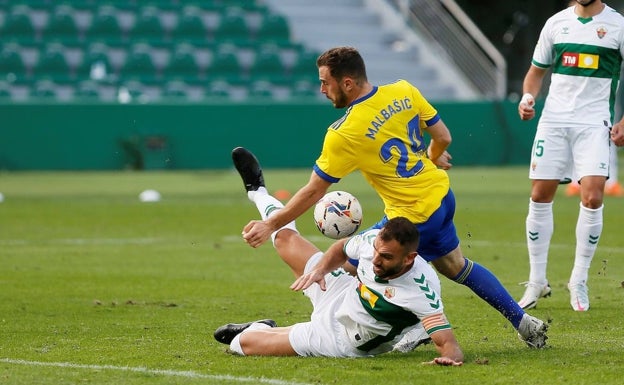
column 150, row 50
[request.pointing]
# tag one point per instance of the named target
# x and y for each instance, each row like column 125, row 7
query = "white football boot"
column 533, row 292
column 533, row 331
column 578, row 296
column 412, row 339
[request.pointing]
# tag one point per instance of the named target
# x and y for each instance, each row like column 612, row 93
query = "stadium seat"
column 45, row 89
column 87, row 91
column 304, row 67
column 224, row 64
column 61, row 25
column 175, row 89
column 11, row 63
column 182, row 64
column 52, row 64
column 273, row 28
column 218, row 89
column 95, row 63
column 261, row 89
column 17, row 25
column 267, row 65
column 148, row 26
column 232, row 27
column 190, row 26
column 105, row 26
column 303, row 88
column 139, row 64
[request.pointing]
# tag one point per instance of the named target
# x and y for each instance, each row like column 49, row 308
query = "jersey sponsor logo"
column 389, row 292
column 601, row 32
column 368, row 295
column 580, row 60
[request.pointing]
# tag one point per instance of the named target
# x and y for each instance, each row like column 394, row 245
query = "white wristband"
column 528, row 100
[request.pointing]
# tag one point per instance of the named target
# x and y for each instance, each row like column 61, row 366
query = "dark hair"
column 401, row 230
column 343, row 61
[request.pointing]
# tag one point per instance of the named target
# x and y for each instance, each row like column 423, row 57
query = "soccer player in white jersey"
column 583, row 45
column 395, row 292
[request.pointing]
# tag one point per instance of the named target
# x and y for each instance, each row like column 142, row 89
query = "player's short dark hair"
column 343, row 61
column 401, row 230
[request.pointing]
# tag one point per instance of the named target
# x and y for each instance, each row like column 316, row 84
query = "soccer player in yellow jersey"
column 382, row 136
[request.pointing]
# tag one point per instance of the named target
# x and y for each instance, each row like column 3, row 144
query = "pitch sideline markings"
column 161, row 372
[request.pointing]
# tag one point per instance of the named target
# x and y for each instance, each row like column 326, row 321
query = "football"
column 338, row 214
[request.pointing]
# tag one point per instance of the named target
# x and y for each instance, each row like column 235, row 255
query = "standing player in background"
column 612, row 185
column 382, row 135
column 584, row 46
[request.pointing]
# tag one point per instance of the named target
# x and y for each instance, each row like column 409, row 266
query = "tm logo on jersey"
column 580, row 60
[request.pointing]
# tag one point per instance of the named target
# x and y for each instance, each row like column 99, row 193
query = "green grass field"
column 98, row 288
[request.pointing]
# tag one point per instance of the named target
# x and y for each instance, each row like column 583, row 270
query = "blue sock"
column 483, row 283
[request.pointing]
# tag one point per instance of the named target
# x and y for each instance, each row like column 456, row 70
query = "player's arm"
column 257, row 232
column 332, row 259
column 530, row 89
column 443, row 337
column 440, row 140
column 447, row 346
column 617, row 133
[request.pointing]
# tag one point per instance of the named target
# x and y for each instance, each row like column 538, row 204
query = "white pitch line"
column 161, row 372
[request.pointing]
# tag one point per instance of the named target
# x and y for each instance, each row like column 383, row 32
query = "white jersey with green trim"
column 381, row 310
column 585, row 55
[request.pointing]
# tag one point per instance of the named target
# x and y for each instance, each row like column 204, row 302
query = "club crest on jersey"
column 389, row 292
column 601, row 32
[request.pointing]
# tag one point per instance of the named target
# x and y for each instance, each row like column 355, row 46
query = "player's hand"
column 526, row 106
column 443, row 161
column 617, row 134
column 444, row 361
column 256, row 233
column 306, row 280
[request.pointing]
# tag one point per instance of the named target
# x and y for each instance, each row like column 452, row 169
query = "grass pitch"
column 99, row 288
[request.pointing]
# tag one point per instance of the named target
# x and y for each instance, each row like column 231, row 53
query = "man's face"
column 390, row 259
column 332, row 88
column 585, row 3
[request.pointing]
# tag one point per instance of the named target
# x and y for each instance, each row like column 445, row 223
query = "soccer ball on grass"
column 338, row 214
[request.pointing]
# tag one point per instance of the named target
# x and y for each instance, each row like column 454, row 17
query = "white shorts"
column 323, row 335
column 570, row 152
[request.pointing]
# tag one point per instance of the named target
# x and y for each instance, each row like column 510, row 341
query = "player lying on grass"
column 395, row 291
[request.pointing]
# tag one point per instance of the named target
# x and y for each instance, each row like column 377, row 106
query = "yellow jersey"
column 381, row 134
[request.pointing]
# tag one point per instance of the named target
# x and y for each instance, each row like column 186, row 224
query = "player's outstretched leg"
column 249, row 169
column 226, row 333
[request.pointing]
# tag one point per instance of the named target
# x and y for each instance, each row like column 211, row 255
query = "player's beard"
column 340, row 100
column 388, row 273
column 585, row 3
